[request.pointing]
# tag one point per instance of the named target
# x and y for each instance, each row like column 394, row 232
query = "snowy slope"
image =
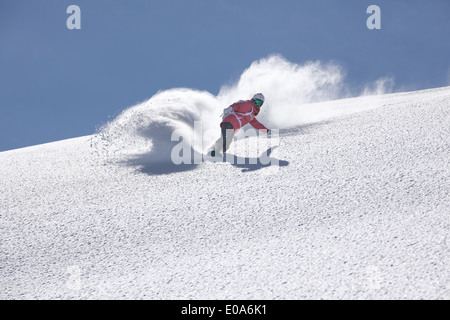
column 359, row 208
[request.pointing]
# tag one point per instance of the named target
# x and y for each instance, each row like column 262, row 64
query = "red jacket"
column 244, row 112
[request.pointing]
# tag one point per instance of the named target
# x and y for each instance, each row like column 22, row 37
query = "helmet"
column 258, row 96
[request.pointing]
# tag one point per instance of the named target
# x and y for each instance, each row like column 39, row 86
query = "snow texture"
column 359, row 207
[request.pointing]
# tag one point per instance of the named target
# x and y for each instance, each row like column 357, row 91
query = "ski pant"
column 223, row 143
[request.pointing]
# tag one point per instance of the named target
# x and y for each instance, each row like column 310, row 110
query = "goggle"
column 258, row 102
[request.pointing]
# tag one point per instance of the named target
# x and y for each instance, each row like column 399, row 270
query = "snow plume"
column 295, row 94
column 381, row 86
column 152, row 124
column 298, row 94
column 287, row 87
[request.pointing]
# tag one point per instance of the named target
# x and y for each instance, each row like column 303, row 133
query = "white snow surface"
column 359, row 208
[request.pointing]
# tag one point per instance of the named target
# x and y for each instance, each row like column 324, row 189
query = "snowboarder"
column 235, row 117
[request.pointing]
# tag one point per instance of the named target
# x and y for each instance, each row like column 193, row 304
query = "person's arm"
column 258, row 125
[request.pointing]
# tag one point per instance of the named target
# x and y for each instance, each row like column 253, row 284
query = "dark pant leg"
column 227, row 134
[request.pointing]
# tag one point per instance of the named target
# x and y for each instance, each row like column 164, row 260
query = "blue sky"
column 57, row 83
